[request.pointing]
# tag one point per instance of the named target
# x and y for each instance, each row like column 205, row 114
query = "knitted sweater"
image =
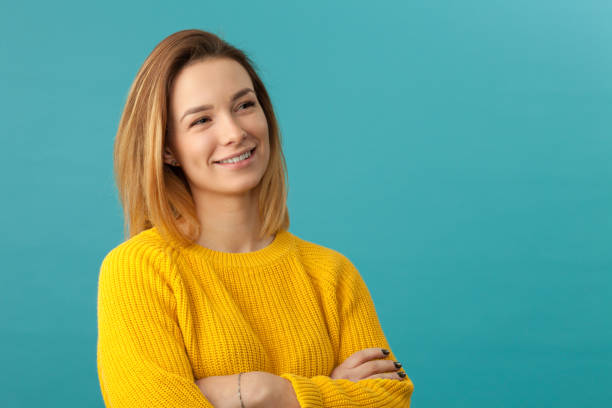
column 169, row 314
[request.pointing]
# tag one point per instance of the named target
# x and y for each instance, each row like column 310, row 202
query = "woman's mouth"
column 239, row 161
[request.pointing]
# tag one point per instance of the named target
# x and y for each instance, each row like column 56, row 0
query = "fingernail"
column 397, row 364
column 385, row 351
column 401, row 374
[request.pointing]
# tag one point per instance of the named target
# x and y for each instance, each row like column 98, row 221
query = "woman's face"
column 216, row 115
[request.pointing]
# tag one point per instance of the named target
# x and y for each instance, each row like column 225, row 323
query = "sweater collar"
column 281, row 245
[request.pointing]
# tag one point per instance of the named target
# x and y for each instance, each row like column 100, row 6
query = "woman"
column 211, row 301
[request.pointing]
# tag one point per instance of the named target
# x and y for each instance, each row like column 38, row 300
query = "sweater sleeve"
column 141, row 356
column 359, row 329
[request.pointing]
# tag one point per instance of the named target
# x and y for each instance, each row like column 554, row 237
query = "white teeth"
column 243, row 156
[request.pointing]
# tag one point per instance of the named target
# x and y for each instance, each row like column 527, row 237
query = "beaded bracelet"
column 239, row 395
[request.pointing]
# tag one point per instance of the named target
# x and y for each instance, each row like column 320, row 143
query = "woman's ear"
column 169, row 157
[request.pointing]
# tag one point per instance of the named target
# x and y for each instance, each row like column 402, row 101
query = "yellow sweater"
column 171, row 314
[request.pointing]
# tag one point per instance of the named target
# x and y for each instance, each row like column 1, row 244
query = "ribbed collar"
column 282, row 244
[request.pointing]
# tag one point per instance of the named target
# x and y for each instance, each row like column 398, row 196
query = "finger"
column 377, row 366
column 389, row 375
column 361, row 356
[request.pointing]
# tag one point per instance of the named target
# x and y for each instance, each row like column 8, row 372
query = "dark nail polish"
column 397, row 364
column 385, row 352
column 402, row 374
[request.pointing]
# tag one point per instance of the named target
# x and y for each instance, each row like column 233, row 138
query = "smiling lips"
column 238, row 161
column 237, row 155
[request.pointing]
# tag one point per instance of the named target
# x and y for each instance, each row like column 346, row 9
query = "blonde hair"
column 156, row 194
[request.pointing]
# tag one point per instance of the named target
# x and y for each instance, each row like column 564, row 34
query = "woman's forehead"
column 209, row 82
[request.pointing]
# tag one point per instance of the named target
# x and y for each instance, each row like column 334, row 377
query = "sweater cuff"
column 307, row 392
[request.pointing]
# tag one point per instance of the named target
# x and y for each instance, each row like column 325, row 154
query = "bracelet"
column 239, row 395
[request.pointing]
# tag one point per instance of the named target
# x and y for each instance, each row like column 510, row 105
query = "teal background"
column 458, row 152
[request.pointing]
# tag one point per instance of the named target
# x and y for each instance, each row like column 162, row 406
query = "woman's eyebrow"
column 206, row 107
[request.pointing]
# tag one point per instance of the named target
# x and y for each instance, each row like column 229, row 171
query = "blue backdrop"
column 458, row 152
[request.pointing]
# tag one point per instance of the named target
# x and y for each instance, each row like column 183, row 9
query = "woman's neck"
column 230, row 224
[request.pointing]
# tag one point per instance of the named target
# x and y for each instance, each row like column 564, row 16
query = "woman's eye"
column 248, row 104
column 200, row 121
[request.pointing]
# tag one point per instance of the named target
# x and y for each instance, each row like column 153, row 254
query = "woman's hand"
column 221, row 391
column 258, row 389
column 276, row 391
column 365, row 364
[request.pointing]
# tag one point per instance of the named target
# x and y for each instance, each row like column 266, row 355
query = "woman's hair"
column 156, row 194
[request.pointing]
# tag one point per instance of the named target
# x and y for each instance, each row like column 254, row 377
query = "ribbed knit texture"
column 170, row 314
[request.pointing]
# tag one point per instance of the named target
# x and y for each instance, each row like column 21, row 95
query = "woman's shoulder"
column 323, row 258
column 136, row 270
column 145, row 248
column 313, row 249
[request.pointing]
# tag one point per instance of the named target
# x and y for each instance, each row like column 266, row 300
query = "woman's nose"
column 231, row 131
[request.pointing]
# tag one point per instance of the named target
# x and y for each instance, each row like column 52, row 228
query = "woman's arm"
column 359, row 328
column 222, row 391
column 141, row 355
column 257, row 388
